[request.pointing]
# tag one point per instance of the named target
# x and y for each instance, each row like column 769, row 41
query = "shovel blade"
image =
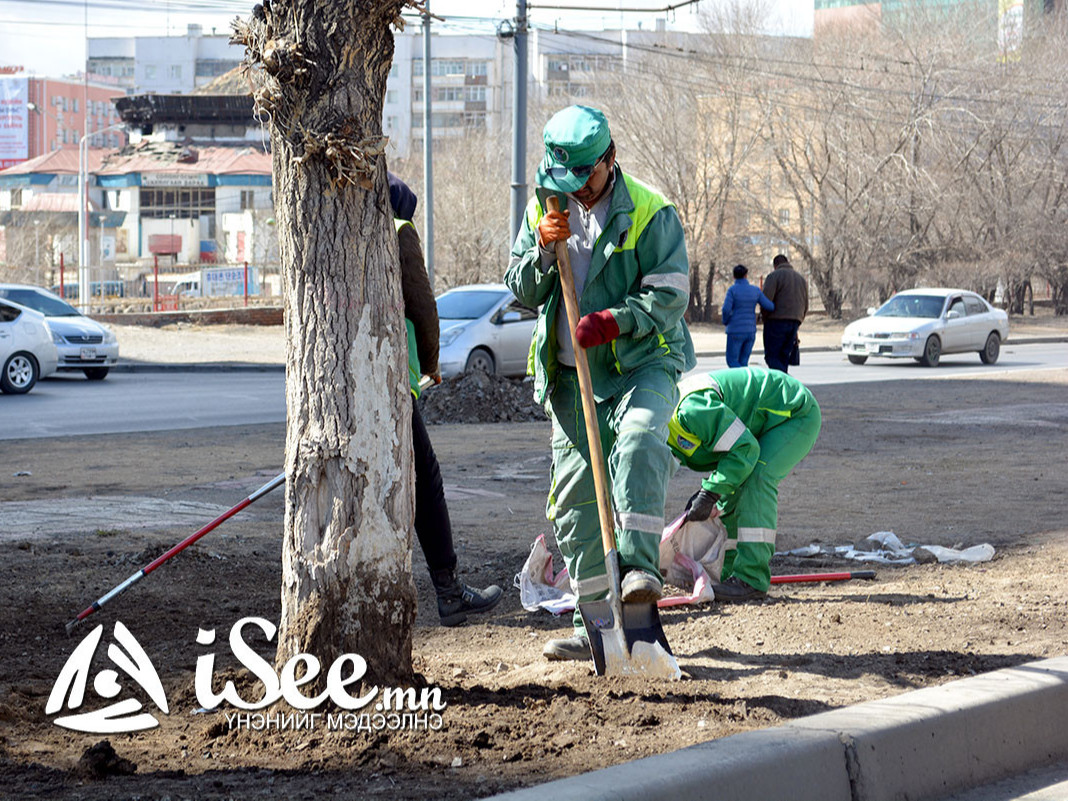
column 628, row 640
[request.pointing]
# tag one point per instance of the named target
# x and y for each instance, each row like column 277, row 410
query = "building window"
column 417, row 95
column 182, row 203
column 784, row 216
column 477, row 68
column 442, row 66
column 75, row 105
column 248, row 199
column 391, row 96
column 475, row 119
column 446, row 94
column 174, row 71
column 391, row 122
column 475, row 94
column 150, row 72
column 393, row 70
column 417, row 66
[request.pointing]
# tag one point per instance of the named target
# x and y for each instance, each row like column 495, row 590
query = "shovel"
column 625, row 639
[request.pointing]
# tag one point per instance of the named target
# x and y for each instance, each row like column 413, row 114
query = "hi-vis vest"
column 646, row 204
column 414, row 370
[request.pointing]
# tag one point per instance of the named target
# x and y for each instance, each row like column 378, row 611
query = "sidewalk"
column 221, row 347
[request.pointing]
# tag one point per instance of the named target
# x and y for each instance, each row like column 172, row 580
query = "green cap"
column 575, row 137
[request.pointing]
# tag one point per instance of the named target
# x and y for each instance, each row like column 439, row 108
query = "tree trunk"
column 346, row 560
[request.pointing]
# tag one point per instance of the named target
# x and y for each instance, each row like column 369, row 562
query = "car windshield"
column 48, row 306
column 466, row 304
column 928, row 306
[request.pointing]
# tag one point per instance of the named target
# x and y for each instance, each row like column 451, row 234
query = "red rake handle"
column 805, row 577
column 181, row 546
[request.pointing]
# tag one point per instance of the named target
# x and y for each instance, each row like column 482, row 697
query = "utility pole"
column 428, row 158
column 519, row 118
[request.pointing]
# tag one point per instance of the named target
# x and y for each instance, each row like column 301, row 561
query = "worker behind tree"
column 432, row 524
column 628, row 255
column 746, row 429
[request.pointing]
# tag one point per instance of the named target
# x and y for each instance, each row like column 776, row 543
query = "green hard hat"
column 575, row 137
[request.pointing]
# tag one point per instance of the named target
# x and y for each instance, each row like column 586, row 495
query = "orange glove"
column 553, row 228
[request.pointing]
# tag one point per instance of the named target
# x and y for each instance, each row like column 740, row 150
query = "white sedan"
column 922, row 324
column 27, row 350
column 484, row 327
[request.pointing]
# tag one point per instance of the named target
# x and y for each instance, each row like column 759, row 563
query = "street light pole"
column 83, row 212
column 37, row 251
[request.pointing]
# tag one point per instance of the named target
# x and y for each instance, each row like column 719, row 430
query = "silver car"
column 484, row 327
column 83, row 343
column 923, row 324
column 27, row 352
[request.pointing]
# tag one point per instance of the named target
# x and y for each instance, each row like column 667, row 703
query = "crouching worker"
column 746, row 428
column 432, row 524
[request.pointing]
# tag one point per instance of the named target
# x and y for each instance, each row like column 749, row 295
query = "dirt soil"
column 948, row 462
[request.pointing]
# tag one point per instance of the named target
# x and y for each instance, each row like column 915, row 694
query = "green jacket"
column 721, row 415
column 639, row 272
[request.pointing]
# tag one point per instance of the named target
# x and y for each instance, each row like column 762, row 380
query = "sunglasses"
column 578, row 172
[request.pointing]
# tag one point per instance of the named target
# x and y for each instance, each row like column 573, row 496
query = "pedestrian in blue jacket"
column 739, row 315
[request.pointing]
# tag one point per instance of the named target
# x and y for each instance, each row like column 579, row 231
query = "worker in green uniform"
column 628, row 256
column 746, row 428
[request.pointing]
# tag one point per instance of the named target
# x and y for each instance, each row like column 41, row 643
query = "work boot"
column 640, row 586
column 456, row 599
column 734, row 590
column 575, row 648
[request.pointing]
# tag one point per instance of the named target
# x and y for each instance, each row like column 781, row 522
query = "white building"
column 164, row 64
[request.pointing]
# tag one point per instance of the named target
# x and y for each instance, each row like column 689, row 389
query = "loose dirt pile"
column 478, row 397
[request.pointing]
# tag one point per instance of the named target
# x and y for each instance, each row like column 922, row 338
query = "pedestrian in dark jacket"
column 788, row 290
column 739, row 315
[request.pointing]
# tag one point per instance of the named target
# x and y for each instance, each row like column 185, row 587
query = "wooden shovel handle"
column 589, row 407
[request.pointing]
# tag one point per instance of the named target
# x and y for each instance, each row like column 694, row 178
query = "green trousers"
column 751, row 515
column 633, row 428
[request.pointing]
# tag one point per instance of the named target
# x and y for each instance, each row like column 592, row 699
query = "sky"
column 47, row 37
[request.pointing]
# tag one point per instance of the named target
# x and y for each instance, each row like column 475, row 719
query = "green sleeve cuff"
column 624, row 318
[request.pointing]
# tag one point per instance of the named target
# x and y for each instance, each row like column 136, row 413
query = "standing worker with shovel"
column 626, row 249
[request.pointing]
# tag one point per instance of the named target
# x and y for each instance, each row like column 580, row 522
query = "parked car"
column 923, row 324
column 27, row 352
column 484, row 327
column 83, row 343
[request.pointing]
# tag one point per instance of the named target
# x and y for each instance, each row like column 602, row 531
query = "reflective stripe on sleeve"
column 676, row 281
column 730, row 436
column 764, row 535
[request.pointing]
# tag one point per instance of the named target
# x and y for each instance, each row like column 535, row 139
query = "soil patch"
column 918, row 458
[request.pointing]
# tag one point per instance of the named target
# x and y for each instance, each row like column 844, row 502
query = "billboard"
column 14, row 121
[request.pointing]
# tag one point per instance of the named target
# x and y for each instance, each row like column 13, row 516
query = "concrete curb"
column 201, row 367
column 920, row 745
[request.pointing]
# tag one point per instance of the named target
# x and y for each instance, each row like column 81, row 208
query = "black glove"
column 701, row 505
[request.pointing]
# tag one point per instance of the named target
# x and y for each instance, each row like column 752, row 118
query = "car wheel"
column 992, row 349
column 96, row 373
column 932, row 352
column 20, row 374
column 856, row 359
column 480, row 359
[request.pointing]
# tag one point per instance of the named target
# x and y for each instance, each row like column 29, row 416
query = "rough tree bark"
column 319, row 68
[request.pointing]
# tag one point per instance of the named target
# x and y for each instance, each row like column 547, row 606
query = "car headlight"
column 109, row 337
column 452, row 335
column 56, row 337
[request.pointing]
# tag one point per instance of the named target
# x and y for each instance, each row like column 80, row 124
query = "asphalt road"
column 161, row 401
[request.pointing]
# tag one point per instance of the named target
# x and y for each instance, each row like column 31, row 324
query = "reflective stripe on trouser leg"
column 640, row 464
column 572, row 503
column 757, row 506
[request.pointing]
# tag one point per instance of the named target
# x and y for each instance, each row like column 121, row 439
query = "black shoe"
column 456, row 599
column 734, row 590
column 575, row 649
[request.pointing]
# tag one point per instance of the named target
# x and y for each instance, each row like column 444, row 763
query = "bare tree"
column 320, row 71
